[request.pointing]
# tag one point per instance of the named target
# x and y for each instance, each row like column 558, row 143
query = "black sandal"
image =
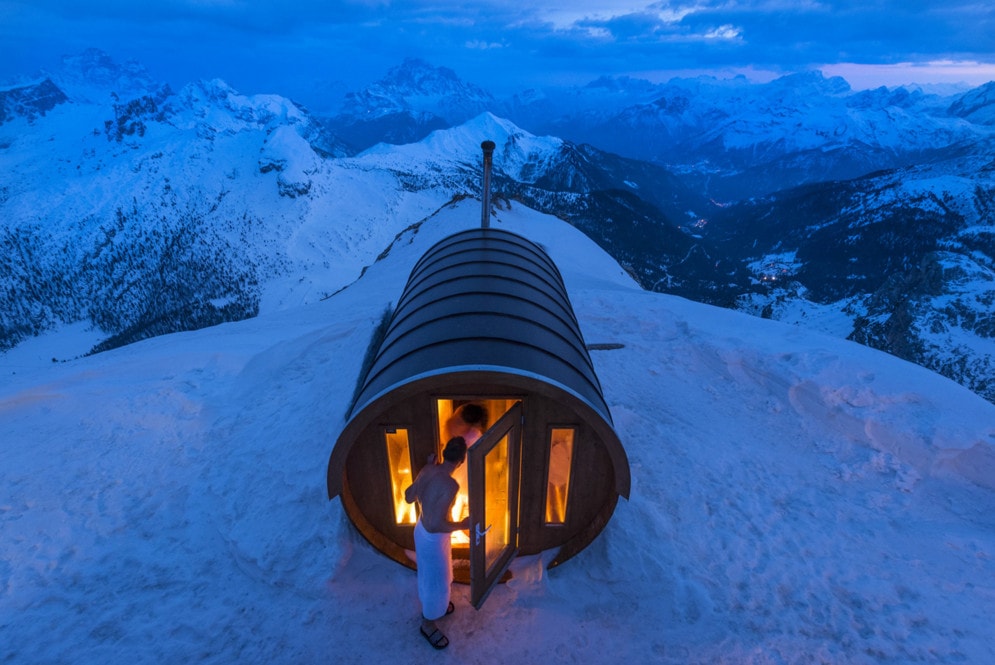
column 436, row 638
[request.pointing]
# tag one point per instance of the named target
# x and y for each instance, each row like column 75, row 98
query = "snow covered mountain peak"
column 977, row 106
column 417, row 77
column 94, row 76
column 89, row 78
column 518, row 154
column 169, row 211
column 805, row 84
column 207, row 97
column 30, row 101
column 419, row 88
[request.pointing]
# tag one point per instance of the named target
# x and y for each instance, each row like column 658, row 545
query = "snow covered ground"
column 796, row 498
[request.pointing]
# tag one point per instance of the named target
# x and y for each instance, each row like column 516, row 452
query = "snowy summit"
column 796, row 498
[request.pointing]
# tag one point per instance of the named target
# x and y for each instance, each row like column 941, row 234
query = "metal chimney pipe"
column 485, row 212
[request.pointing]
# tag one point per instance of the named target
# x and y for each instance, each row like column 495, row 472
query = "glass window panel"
column 561, row 449
column 399, row 462
column 497, row 495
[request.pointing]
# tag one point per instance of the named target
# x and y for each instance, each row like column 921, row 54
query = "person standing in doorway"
column 435, row 490
column 469, row 422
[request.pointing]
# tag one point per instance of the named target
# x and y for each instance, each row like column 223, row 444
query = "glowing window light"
column 561, row 447
column 399, row 462
column 460, row 510
column 497, row 496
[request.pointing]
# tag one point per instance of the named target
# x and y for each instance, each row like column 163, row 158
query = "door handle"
column 480, row 534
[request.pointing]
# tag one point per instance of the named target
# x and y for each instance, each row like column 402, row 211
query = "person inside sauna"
column 469, row 422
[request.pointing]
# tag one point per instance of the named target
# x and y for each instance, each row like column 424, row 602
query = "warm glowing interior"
column 497, row 511
column 461, row 506
column 399, row 458
column 450, row 426
column 561, row 448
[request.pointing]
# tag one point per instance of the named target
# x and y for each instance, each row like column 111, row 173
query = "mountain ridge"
column 172, row 210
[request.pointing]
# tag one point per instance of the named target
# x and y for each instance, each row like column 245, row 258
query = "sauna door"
column 492, row 468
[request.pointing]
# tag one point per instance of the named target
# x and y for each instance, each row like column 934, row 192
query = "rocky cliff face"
column 30, row 101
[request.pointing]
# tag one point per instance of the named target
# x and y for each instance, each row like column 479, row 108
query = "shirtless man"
column 435, row 490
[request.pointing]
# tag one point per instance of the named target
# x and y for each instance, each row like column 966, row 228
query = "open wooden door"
column 493, row 470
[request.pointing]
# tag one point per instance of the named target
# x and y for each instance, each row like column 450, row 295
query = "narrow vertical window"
column 561, row 450
column 399, row 461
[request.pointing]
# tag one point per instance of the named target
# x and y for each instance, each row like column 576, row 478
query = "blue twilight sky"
column 295, row 47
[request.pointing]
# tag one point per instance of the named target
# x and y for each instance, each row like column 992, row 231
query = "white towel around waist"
column 433, row 552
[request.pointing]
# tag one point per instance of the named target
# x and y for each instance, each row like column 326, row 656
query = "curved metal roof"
column 484, row 298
